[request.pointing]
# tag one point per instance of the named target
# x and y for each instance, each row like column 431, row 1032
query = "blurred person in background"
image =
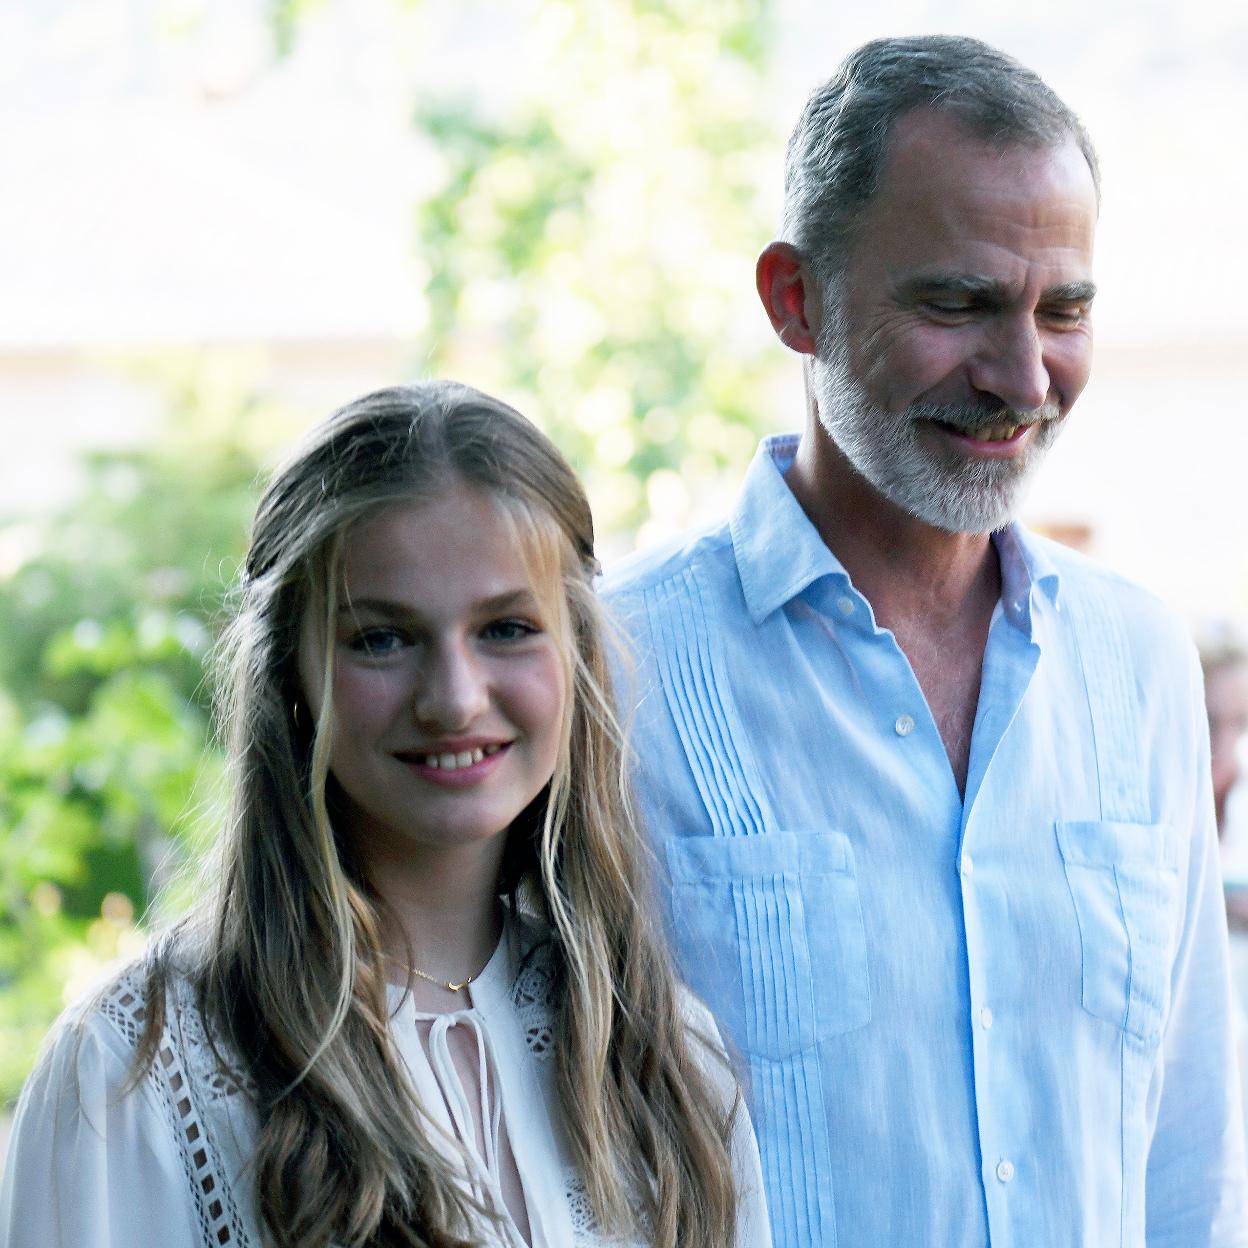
column 933, row 792
column 425, row 1000
column 1225, row 669
column 1224, row 663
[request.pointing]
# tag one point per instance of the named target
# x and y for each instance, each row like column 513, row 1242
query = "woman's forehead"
column 461, row 546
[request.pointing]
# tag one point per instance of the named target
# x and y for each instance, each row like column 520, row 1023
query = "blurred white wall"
column 168, row 185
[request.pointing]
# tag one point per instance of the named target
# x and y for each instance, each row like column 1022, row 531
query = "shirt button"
column 985, row 1018
column 845, row 605
column 1005, row 1171
column 967, row 865
column 904, row 725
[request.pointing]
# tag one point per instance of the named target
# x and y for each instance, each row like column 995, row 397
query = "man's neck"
column 934, row 590
column 907, row 569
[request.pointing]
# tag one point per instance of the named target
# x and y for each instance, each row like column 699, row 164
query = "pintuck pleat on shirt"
column 770, row 924
column 696, row 695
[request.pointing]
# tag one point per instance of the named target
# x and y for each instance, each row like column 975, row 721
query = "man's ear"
column 789, row 295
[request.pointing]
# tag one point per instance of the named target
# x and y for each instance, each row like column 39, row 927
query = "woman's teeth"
column 453, row 762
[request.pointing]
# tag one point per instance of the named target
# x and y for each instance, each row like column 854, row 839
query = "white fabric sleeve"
column 753, row 1226
column 89, row 1167
column 1196, row 1193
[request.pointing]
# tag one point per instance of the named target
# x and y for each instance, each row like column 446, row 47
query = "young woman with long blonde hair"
column 424, row 1000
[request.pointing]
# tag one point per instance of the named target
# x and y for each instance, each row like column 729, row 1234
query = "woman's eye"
column 376, row 641
column 508, row 630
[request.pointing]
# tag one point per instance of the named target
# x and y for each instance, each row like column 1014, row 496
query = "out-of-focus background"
column 223, row 218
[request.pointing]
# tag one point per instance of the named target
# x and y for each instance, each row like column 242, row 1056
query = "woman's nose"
column 453, row 691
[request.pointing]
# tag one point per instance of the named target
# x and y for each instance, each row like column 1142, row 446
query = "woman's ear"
column 789, row 295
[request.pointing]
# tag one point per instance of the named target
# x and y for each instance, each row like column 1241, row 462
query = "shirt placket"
column 982, row 864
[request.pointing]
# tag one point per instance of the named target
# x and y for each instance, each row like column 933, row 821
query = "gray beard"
column 939, row 487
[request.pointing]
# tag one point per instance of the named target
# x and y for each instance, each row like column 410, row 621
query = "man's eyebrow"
column 1071, row 292
column 968, row 285
column 989, row 290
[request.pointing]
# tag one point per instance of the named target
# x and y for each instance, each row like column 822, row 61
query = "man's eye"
column 1067, row 317
column 944, row 307
column 508, row 630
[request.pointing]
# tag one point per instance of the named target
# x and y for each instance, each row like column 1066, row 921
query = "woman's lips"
column 451, row 760
column 449, row 766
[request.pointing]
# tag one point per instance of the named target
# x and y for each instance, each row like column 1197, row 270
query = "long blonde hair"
column 285, row 954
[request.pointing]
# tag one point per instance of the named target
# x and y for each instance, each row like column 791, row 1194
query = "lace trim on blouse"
column 187, row 1079
column 533, row 995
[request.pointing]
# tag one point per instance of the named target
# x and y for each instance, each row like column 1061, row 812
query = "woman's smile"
column 455, row 763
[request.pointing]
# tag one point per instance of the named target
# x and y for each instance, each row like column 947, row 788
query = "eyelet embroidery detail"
column 533, row 995
column 585, row 1232
column 189, row 1081
column 183, row 1058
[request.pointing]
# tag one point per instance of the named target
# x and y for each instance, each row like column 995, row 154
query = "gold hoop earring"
column 294, row 713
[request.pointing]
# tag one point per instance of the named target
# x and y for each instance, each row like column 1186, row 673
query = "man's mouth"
column 989, row 433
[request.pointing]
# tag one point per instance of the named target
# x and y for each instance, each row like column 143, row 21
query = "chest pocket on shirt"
column 771, row 935
column 1123, row 878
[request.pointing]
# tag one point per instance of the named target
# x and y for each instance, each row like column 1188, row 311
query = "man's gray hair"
column 836, row 151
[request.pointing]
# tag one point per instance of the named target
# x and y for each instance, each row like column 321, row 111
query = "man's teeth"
column 994, row 433
column 453, row 762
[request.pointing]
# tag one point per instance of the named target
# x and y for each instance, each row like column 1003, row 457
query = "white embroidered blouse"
column 167, row 1164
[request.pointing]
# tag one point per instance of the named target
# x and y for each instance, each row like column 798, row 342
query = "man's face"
column 960, row 334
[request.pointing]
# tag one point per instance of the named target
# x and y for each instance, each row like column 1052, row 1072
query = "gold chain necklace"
column 449, row 985
column 445, row 983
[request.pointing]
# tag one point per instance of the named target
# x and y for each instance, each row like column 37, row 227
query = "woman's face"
column 449, row 689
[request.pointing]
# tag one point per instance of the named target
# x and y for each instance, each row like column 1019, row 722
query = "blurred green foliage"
column 109, row 781
column 587, row 253
column 590, row 250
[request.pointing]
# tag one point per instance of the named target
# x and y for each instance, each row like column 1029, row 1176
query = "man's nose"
column 1011, row 366
column 452, row 691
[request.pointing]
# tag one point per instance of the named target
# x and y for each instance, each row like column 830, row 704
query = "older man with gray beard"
column 932, row 794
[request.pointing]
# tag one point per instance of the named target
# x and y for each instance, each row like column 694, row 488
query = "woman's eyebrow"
column 507, row 600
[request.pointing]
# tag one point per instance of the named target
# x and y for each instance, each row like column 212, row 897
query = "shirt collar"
column 1026, row 567
column 779, row 552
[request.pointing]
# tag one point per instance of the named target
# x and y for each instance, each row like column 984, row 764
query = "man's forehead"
column 933, row 148
column 954, row 207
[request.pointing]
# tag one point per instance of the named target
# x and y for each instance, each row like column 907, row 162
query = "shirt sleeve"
column 88, row 1165
column 753, row 1225
column 1196, row 1190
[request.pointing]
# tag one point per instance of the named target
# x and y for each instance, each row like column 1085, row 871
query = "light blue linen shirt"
column 1003, row 1019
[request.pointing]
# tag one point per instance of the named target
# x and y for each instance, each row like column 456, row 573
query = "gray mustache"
column 972, row 417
